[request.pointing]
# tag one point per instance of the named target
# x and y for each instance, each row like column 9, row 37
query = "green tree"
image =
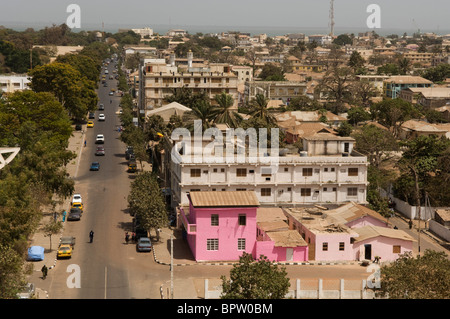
column 258, row 109
column 343, row 39
column 147, row 203
column 336, row 86
column 356, row 115
column 271, row 72
column 11, row 272
column 375, row 143
column 356, row 61
column 344, row 129
column 260, row 279
column 226, row 114
column 423, row 277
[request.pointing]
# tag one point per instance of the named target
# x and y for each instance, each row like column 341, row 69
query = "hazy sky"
column 426, row 15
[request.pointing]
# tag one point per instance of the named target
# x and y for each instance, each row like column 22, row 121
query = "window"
column 341, row 246
column 212, row 244
column 222, row 170
column 266, row 172
column 325, row 169
column 242, row 219
column 352, row 191
column 241, row 172
column 332, row 169
column 353, row 171
column 241, row 189
column 241, row 243
column 396, row 249
column 286, row 169
column 305, row 192
column 215, row 170
column 214, row 220
column 196, row 172
column 325, row 246
column 307, row 172
column 266, row 191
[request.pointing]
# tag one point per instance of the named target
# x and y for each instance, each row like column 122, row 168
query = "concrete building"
column 326, row 171
column 158, row 80
column 9, row 83
column 393, row 85
column 274, row 90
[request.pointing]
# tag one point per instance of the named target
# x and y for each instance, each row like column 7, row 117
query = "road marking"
column 106, row 276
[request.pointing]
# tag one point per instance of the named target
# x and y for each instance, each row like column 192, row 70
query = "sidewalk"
column 39, row 239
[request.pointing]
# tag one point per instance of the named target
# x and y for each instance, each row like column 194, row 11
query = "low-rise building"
column 274, row 90
column 393, row 85
column 10, row 83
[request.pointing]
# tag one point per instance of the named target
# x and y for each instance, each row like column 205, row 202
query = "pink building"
column 275, row 240
column 221, row 225
column 349, row 232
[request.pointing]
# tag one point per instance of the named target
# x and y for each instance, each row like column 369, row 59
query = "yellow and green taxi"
column 90, row 124
column 78, row 205
column 64, row 251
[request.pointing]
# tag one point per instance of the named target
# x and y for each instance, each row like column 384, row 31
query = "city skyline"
column 257, row 16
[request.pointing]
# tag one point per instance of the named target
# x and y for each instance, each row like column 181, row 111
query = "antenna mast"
column 332, row 18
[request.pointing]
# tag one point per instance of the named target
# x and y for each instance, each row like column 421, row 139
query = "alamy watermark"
column 74, row 19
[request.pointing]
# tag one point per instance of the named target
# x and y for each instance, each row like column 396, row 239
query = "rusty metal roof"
column 223, row 199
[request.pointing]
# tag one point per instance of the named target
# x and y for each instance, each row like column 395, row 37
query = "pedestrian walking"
column 410, row 224
column 91, row 236
column 64, row 216
column 127, row 237
column 44, row 271
column 133, row 237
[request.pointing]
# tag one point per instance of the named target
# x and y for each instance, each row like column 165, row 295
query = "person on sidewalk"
column 91, row 236
column 44, row 271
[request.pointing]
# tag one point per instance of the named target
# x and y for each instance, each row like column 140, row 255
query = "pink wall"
column 268, row 249
column 366, row 221
column 333, row 253
column 228, row 232
column 382, row 247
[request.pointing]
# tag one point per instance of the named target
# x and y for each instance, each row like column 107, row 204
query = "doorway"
column 368, row 251
column 289, row 254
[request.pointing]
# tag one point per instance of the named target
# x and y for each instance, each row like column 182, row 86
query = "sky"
column 299, row 15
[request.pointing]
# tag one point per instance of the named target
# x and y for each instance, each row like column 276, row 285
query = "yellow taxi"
column 78, row 205
column 64, row 251
column 90, row 124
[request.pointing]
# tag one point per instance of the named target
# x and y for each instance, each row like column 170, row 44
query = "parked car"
column 64, row 251
column 68, row 240
column 90, row 124
column 144, row 244
column 95, row 166
column 77, row 205
column 129, row 151
column 101, row 117
column 101, row 107
column 132, row 167
column 91, row 115
column 100, row 139
column 74, row 214
column 111, row 93
column 76, row 198
column 78, row 127
column 100, row 151
column 27, row 292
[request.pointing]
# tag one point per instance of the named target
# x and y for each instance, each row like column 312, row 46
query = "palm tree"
column 201, row 110
column 404, row 65
column 225, row 113
column 258, row 109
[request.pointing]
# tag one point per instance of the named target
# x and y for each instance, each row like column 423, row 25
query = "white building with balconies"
column 328, row 171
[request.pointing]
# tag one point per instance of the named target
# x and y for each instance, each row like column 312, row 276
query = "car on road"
column 67, row 240
column 111, row 93
column 101, row 107
column 90, row 124
column 101, row 117
column 74, row 214
column 76, row 198
column 100, row 139
column 144, row 244
column 91, row 115
column 95, row 166
column 78, row 205
column 27, row 292
column 128, row 152
column 64, row 251
column 100, row 151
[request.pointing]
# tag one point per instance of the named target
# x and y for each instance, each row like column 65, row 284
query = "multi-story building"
column 159, row 80
column 424, row 58
column 393, row 85
column 274, row 90
column 327, row 171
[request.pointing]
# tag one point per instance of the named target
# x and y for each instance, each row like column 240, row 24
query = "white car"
column 101, row 117
column 100, row 139
column 76, row 198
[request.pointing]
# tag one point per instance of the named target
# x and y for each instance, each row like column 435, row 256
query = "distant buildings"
column 274, row 90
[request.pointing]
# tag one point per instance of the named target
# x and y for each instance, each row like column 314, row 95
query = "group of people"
column 127, row 237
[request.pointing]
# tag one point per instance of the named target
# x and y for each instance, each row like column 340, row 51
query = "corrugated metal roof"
column 370, row 231
column 224, row 199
